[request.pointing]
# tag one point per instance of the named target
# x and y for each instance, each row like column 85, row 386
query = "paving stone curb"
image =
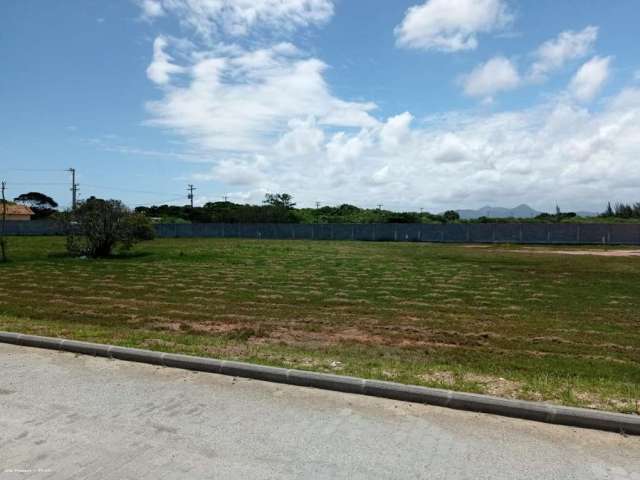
column 541, row 412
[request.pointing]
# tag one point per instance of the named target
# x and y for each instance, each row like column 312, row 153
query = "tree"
column 609, row 211
column 279, row 200
column 623, row 210
column 42, row 205
column 451, row 216
column 97, row 226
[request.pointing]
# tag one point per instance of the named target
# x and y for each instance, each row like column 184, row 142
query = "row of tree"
column 622, row 210
column 280, row 208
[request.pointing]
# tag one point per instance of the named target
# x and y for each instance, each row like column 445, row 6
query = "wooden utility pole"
column 3, row 245
column 74, row 189
column 190, row 189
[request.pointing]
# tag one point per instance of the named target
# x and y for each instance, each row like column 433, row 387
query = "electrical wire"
column 163, row 202
column 119, row 189
column 34, row 170
column 36, row 183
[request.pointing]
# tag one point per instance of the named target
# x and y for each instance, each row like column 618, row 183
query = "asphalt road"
column 66, row 416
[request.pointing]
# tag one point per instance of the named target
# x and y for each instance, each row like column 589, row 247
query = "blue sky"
column 435, row 104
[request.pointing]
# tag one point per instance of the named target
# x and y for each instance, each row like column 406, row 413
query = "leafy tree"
column 43, row 206
column 97, row 226
column 279, row 200
column 451, row 216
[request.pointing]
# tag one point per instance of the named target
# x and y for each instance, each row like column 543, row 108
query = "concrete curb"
column 541, row 412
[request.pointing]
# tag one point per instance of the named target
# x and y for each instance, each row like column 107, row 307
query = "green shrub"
column 97, row 226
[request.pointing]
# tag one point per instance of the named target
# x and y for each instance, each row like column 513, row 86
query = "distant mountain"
column 587, row 214
column 521, row 211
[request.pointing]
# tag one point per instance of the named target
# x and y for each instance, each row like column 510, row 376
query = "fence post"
column 468, row 233
column 577, row 233
column 520, row 233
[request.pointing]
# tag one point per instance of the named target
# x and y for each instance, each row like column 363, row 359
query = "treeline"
column 280, row 208
column 622, row 210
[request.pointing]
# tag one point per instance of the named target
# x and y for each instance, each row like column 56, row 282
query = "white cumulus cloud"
column 161, row 68
column 555, row 53
column 264, row 117
column 590, row 78
column 395, row 131
column 209, row 18
column 241, row 100
column 451, row 25
column 496, row 75
column 151, row 8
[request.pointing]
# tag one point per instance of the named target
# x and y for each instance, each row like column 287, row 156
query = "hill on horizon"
column 521, row 211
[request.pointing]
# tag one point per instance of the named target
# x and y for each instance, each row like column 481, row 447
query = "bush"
column 97, row 226
column 140, row 227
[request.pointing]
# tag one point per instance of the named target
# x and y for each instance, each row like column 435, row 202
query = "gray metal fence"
column 541, row 233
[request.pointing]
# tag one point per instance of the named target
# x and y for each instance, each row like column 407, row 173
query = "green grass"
column 499, row 320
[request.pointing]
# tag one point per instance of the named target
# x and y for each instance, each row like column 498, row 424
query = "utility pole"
column 3, row 246
column 74, row 188
column 317, row 207
column 379, row 206
column 190, row 189
column 226, row 198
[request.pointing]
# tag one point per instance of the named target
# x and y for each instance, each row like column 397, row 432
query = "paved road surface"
column 66, row 416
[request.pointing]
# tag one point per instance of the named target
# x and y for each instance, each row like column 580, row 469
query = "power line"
column 119, row 189
column 38, row 183
column 156, row 204
column 34, row 170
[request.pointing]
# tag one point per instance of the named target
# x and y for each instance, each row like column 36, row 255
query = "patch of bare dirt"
column 492, row 385
column 498, row 386
column 445, row 378
column 599, row 253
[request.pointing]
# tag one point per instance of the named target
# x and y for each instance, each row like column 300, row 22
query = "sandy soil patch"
column 599, row 253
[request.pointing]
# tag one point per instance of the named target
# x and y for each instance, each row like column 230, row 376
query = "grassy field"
column 497, row 320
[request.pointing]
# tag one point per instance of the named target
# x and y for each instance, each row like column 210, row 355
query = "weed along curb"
column 541, row 412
